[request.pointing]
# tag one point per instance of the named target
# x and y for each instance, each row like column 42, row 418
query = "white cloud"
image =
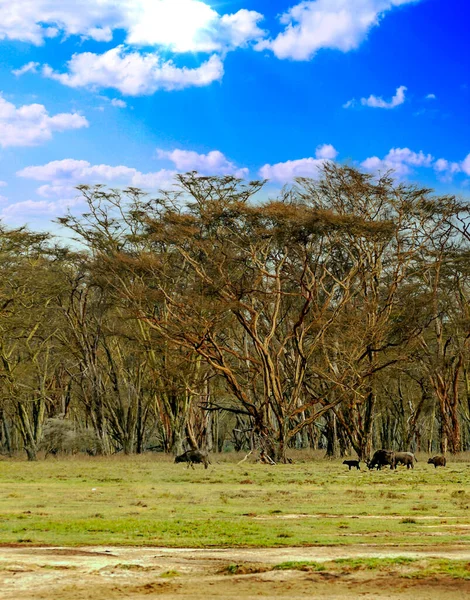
column 19, row 212
column 191, row 26
column 34, row 210
column 337, row 24
column 287, row 171
column 36, row 20
column 57, row 170
column 241, row 28
column 31, row 67
column 378, row 102
column 118, row 103
column 3, row 183
column 182, row 25
column 405, row 155
column 431, row 97
column 162, row 179
column 403, row 160
column 31, row 124
column 303, row 167
column 465, row 166
column 30, row 207
column 447, row 169
column 400, row 160
column 62, row 176
column 326, row 151
column 178, row 26
column 54, row 191
column 134, row 74
column 212, row 163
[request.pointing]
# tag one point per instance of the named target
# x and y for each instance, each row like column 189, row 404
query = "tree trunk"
column 31, row 453
column 331, row 434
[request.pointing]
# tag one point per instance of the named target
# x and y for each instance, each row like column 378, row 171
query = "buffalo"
column 405, row 458
column 193, row 457
column 437, row 461
column 382, row 458
column 352, row 463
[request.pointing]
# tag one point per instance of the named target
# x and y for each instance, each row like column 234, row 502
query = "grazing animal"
column 437, row 461
column 405, row 458
column 382, row 458
column 352, row 463
column 193, row 457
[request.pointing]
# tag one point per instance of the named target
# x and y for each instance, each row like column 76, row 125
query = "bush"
column 61, row 436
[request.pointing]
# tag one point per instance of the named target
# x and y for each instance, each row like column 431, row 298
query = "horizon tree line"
column 333, row 316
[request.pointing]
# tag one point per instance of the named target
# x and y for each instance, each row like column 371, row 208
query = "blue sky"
column 130, row 92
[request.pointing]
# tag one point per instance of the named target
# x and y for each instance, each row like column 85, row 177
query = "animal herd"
column 382, row 458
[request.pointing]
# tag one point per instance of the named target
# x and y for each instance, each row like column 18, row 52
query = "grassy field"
column 150, row 501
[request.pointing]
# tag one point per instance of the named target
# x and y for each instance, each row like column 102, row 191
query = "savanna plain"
column 142, row 526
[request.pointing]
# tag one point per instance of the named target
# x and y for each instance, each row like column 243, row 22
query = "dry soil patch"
column 112, row 573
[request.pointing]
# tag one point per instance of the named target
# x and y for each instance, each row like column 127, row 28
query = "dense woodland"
column 334, row 316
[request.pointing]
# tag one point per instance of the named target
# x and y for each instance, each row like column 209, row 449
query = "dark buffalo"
column 382, row 458
column 437, row 461
column 405, row 458
column 193, row 457
column 352, row 463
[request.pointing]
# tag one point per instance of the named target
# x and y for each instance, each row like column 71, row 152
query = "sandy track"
column 135, row 573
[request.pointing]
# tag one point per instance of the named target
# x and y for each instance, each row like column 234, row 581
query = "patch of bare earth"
column 141, row 573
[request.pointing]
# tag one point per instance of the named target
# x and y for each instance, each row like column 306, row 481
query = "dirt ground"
column 111, row 573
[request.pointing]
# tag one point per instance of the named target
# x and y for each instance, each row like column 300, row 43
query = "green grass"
column 300, row 565
column 149, row 500
column 170, row 574
column 398, row 566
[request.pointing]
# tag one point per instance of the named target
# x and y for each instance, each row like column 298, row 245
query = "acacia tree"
column 109, row 369
column 168, row 377
column 251, row 288
column 385, row 312
column 30, row 282
column 299, row 305
column 444, row 346
column 405, row 408
column 179, row 379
